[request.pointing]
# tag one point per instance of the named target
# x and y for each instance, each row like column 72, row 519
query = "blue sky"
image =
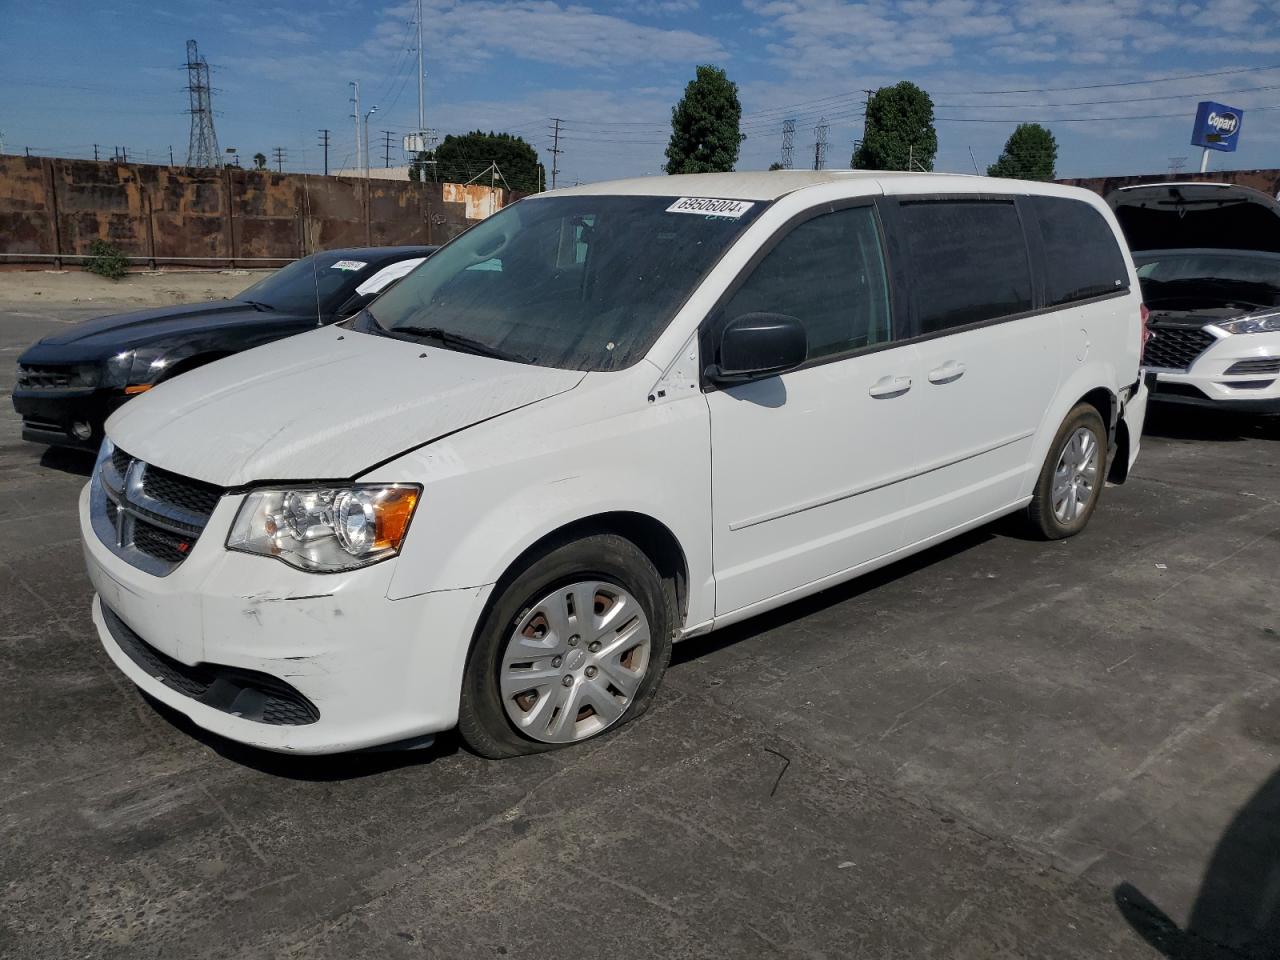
column 76, row 73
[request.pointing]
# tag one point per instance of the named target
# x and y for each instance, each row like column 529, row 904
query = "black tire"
column 482, row 719
column 1040, row 517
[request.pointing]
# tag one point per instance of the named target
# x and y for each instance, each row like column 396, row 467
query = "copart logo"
column 1223, row 123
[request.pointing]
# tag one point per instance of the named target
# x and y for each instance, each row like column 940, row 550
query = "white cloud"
column 464, row 35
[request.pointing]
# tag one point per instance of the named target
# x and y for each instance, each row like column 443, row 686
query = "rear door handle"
column 888, row 387
column 949, row 372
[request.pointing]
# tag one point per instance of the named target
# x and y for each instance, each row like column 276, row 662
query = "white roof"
column 765, row 185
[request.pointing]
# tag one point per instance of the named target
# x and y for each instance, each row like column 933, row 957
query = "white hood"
column 321, row 406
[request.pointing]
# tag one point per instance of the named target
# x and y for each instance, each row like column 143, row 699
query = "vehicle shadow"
column 1173, row 422
column 698, row 647
column 326, row 768
column 66, row 460
column 1236, row 915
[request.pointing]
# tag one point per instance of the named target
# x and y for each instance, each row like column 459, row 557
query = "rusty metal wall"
column 1268, row 181
column 51, row 207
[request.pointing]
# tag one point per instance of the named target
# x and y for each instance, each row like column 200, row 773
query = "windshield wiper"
column 459, row 342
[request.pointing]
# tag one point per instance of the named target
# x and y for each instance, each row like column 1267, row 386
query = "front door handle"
column 887, row 387
column 949, row 372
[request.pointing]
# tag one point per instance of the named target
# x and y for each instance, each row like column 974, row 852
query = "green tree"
column 704, row 125
column 1030, row 153
column 259, row 161
column 776, row 166
column 458, row 159
column 899, row 131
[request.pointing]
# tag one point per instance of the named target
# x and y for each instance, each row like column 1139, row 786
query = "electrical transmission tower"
column 820, row 144
column 203, row 151
column 788, row 143
column 280, row 156
column 387, row 135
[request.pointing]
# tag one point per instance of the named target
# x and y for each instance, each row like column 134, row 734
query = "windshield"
column 1233, row 266
column 581, row 282
column 327, row 277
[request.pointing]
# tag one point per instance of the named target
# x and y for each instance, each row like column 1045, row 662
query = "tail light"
column 1146, row 333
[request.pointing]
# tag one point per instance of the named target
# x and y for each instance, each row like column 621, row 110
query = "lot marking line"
column 1162, row 751
column 1234, row 553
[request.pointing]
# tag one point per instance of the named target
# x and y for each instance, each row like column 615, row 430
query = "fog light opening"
column 82, row 430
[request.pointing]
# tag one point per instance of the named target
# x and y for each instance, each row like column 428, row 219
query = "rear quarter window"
column 1082, row 258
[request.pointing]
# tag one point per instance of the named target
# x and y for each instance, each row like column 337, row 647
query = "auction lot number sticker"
column 710, row 207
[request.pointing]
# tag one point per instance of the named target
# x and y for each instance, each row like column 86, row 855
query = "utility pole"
column 555, row 150
column 386, row 148
column 372, row 111
column 422, row 77
column 280, row 158
column 324, row 142
column 788, row 143
column 355, row 98
column 171, row 154
column 95, row 151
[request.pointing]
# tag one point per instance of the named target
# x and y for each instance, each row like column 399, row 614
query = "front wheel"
column 573, row 646
column 1072, row 477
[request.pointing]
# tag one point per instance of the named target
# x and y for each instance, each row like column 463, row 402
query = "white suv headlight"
column 325, row 529
column 1257, row 323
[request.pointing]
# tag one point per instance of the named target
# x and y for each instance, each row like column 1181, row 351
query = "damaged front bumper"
column 261, row 653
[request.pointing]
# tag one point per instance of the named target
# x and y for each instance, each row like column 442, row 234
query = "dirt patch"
column 138, row 289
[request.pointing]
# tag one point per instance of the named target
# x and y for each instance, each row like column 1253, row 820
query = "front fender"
column 493, row 491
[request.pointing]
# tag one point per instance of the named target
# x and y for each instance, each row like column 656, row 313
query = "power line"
column 1128, row 83
column 1141, row 116
column 280, row 155
column 1094, row 103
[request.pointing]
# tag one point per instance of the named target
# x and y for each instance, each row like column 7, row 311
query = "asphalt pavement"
column 999, row 748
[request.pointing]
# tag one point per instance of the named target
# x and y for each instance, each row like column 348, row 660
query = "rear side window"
column 1082, row 258
column 828, row 273
column 967, row 261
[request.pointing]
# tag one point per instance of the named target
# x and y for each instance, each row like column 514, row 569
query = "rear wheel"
column 574, row 646
column 1072, row 477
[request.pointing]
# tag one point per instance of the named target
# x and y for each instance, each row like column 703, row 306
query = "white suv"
column 602, row 420
column 1208, row 259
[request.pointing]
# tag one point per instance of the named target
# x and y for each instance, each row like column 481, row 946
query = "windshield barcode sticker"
column 709, row 207
column 349, row 265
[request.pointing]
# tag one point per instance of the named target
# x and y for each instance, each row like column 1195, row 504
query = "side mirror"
column 758, row 345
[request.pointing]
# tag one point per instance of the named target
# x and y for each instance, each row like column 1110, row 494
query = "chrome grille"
column 1176, row 348
column 148, row 516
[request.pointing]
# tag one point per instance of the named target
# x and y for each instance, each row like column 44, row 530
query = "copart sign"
column 1217, row 126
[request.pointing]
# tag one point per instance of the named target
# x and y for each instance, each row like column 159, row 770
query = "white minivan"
column 602, row 420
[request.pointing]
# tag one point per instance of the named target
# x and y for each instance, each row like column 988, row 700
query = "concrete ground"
column 1000, row 748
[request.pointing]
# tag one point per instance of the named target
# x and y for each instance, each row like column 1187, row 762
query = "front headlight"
column 1256, row 323
column 326, row 529
column 133, row 368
